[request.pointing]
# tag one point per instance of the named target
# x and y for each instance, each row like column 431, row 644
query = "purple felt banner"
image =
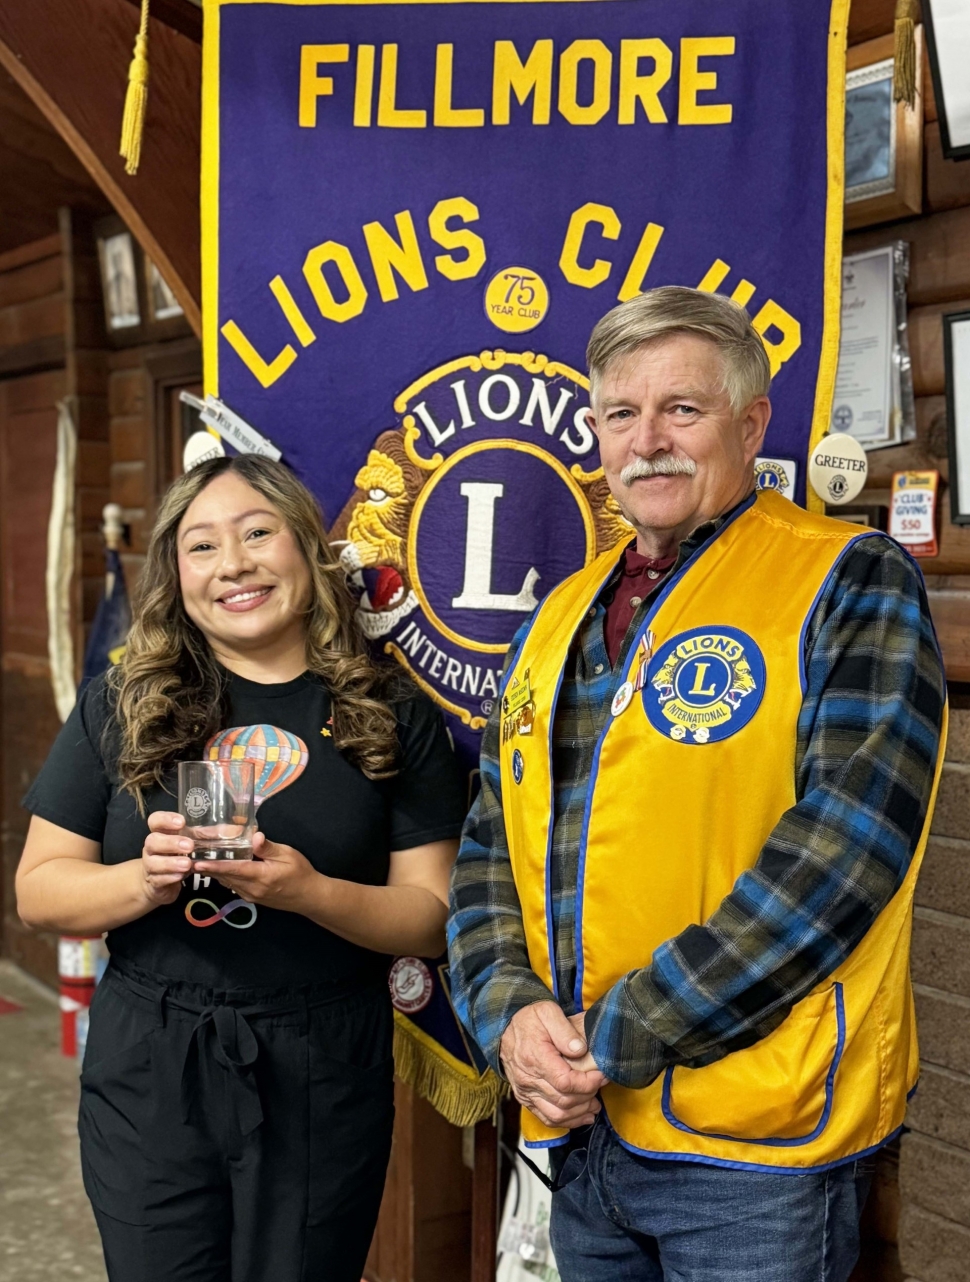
column 413, row 215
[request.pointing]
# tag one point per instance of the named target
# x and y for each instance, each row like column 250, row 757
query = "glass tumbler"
column 217, row 802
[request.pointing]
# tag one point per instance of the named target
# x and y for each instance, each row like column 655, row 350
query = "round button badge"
column 838, row 468
column 622, row 698
column 518, row 766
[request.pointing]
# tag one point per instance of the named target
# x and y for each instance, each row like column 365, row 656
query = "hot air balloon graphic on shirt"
column 280, row 759
column 280, row 756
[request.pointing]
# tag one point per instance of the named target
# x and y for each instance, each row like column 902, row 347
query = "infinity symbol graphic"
column 221, row 914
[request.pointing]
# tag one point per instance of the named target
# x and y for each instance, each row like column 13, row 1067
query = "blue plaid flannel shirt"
column 868, row 736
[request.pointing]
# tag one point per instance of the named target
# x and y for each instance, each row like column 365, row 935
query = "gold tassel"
column 460, row 1100
column 136, row 99
column 904, row 52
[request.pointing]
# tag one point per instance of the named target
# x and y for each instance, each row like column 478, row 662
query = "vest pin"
column 518, row 766
column 622, row 698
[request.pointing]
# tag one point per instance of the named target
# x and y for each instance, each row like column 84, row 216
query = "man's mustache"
column 663, row 465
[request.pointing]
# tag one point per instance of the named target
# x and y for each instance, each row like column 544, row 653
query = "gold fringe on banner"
column 136, row 99
column 904, row 52
column 455, row 1090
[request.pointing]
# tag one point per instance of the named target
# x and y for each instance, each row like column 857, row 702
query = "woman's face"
column 245, row 583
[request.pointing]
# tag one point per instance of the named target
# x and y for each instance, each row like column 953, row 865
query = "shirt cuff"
column 525, row 989
column 623, row 1047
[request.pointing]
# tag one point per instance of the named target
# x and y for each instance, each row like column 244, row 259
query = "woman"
column 236, row 1097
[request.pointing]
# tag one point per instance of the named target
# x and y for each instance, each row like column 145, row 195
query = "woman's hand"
column 279, row 876
column 165, row 858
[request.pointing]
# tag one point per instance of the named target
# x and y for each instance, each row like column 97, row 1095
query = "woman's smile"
column 238, row 600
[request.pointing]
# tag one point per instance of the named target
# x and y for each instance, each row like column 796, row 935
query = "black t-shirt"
column 343, row 822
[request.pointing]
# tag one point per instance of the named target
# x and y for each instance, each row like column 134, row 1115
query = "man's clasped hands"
column 549, row 1066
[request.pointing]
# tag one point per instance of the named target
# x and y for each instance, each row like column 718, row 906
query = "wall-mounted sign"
column 838, row 468
column 912, row 512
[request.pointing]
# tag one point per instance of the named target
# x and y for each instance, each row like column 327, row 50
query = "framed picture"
column 883, row 139
column 948, row 45
column 119, row 281
column 139, row 305
column 162, row 303
column 956, row 351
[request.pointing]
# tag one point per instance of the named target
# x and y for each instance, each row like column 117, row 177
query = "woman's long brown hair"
column 170, row 692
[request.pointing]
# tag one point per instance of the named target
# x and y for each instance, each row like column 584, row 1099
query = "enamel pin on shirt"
column 518, row 708
column 624, row 696
column 644, row 655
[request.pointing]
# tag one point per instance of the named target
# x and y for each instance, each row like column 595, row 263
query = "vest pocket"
column 777, row 1092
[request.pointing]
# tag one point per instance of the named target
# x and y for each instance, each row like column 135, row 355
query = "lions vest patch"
column 704, row 685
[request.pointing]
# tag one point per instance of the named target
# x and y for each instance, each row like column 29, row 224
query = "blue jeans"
column 617, row 1217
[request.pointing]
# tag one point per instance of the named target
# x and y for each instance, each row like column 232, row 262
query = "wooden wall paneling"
column 485, row 1208
column 946, row 182
column 32, row 322
column 184, row 15
column 926, row 345
column 28, row 717
column 38, row 171
column 949, row 609
column 869, row 19
column 175, row 366
column 939, row 253
column 442, row 1199
column 78, row 83
column 929, row 450
column 424, row 1231
column 391, row 1256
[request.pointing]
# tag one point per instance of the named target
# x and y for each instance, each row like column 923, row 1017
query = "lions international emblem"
column 485, row 494
column 776, row 474
column 704, row 685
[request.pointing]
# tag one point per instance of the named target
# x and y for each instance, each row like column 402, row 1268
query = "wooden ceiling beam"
column 72, row 62
column 182, row 15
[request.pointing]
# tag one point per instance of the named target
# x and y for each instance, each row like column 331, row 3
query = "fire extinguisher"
column 77, row 964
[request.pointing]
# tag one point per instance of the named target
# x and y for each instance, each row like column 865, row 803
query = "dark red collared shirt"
column 639, row 575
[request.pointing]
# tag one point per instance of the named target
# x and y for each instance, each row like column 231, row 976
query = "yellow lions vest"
column 693, row 771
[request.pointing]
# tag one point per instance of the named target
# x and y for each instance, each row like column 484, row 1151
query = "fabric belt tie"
column 236, row 1050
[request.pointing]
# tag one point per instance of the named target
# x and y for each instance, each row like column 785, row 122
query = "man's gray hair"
column 675, row 309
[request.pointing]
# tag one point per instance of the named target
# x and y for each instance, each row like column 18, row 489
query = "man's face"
column 673, row 451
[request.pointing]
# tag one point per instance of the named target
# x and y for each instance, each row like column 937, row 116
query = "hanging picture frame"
column 956, row 353
column 874, row 385
column 883, row 138
column 948, row 47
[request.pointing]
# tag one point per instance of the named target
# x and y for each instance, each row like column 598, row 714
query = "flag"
column 106, row 643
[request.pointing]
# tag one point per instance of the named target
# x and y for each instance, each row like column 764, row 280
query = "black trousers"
column 234, row 1136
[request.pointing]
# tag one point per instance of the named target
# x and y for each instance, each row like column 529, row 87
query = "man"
column 681, row 911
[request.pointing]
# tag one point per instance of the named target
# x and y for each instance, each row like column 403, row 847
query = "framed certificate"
column 873, row 387
column 948, row 45
column 883, row 138
column 956, row 350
